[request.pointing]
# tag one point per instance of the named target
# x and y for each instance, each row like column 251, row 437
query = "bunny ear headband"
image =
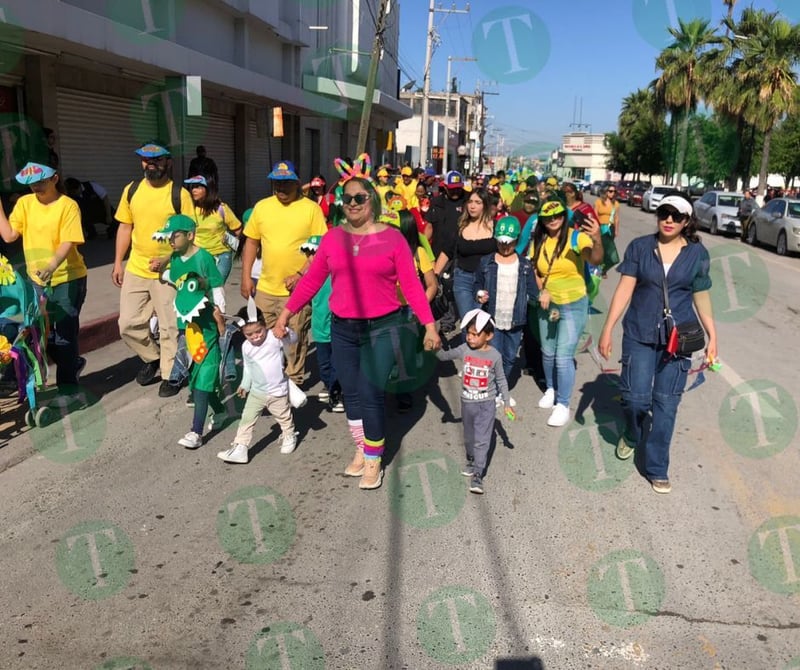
column 252, row 313
column 361, row 167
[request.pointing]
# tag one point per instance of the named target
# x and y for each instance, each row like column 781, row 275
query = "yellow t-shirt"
column 281, row 229
column 566, row 283
column 604, row 210
column 148, row 212
column 44, row 228
column 424, row 264
column 210, row 231
column 409, row 193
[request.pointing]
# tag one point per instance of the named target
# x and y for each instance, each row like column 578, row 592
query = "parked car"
column 717, row 211
column 777, row 224
column 599, row 186
column 652, row 196
column 635, row 197
column 624, row 189
column 582, row 184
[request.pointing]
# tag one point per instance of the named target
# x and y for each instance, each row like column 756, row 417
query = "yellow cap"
column 406, row 171
column 551, row 208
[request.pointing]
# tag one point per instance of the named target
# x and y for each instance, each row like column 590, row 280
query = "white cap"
column 481, row 319
column 679, row 203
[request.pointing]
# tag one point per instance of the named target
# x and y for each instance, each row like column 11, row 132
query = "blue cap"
column 33, row 173
column 197, row 179
column 153, row 150
column 430, row 172
column 283, row 171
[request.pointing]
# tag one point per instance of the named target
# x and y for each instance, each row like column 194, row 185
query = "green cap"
column 176, row 223
column 507, row 229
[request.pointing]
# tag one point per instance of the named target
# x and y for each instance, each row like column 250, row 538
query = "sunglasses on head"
column 358, row 198
column 673, row 214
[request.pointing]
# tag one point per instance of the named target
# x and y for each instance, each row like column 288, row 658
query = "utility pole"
column 482, row 108
column 450, row 59
column 372, row 77
column 426, row 82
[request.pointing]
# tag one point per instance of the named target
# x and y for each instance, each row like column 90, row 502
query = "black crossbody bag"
column 683, row 338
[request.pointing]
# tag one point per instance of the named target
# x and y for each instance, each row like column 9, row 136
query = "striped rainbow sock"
column 373, row 448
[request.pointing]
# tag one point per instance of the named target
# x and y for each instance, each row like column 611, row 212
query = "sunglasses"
column 531, row 202
column 611, row 190
column 358, row 198
column 673, row 214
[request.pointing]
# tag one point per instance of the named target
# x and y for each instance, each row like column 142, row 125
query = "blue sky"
column 597, row 51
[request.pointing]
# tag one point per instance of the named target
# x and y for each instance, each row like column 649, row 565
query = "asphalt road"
column 121, row 549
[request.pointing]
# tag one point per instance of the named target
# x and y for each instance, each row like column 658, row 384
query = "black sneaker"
column 476, row 485
column 148, row 374
column 167, row 389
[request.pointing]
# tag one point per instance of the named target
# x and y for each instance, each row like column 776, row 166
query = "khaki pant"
column 138, row 299
column 300, row 323
column 278, row 407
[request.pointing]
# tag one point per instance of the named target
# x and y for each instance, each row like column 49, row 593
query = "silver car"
column 652, row 196
column 717, row 210
column 777, row 224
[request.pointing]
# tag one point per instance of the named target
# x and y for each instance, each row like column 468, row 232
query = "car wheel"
column 752, row 238
column 780, row 247
column 714, row 227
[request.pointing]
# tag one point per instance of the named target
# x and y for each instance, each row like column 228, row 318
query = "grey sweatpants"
column 478, row 421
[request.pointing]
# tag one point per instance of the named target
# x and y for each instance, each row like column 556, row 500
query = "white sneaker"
column 289, row 442
column 236, row 454
column 191, row 440
column 324, row 395
column 548, row 399
column 217, row 421
column 559, row 417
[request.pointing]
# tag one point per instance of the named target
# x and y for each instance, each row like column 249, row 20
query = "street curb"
column 99, row 333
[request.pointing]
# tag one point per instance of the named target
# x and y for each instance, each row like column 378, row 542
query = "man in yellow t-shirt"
column 406, row 187
column 155, row 198
column 280, row 225
column 50, row 226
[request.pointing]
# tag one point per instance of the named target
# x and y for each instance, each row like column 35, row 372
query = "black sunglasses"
column 359, row 198
column 673, row 214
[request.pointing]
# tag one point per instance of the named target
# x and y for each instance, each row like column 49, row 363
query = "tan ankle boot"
column 356, row 467
column 373, row 475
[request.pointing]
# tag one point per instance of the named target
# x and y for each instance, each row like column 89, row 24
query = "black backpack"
column 176, row 194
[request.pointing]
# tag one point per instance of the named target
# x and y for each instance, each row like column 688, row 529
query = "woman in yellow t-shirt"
column 49, row 224
column 213, row 219
column 558, row 259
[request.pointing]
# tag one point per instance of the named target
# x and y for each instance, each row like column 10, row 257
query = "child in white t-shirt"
column 264, row 382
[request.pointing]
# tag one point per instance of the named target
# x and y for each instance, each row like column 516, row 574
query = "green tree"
column 684, row 77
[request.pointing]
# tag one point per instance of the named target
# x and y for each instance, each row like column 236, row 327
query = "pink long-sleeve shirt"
column 365, row 270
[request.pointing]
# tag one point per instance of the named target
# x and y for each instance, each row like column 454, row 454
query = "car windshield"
column 662, row 189
column 794, row 210
column 729, row 200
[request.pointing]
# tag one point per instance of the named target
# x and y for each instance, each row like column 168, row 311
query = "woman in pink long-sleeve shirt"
column 366, row 260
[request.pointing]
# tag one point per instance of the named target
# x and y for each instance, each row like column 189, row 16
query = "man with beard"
column 280, row 225
column 144, row 208
column 442, row 227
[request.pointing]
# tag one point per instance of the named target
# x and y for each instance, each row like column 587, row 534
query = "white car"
column 652, row 196
column 717, row 211
column 778, row 224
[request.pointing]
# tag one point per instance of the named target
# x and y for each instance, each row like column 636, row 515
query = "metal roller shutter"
column 216, row 133
column 98, row 135
column 259, row 164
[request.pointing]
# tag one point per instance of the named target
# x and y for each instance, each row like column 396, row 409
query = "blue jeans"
column 224, row 264
column 464, row 291
column 559, row 342
column 652, row 382
column 64, row 304
column 327, row 371
column 366, row 349
column 507, row 343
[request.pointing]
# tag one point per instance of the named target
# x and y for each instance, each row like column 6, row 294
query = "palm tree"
column 769, row 48
column 684, row 76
